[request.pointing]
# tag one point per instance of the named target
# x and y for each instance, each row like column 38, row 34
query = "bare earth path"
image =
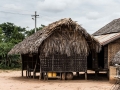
column 12, row 80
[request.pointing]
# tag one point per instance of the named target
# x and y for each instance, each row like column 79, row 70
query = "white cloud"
column 91, row 14
column 49, row 5
column 11, row 6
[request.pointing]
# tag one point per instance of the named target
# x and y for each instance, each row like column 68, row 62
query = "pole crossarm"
column 35, row 17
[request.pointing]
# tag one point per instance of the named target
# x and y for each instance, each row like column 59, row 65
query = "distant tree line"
column 10, row 35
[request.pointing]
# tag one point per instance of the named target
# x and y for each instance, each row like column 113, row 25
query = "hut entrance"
column 89, row 62
column 102, row 62
column 30, row 63
column 92, row 61
column 98, row 60
column 101, row 59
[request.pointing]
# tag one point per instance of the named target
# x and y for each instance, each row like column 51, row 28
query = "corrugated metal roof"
column 105, row 39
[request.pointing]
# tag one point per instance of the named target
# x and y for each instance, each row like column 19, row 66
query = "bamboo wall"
column 60, row 63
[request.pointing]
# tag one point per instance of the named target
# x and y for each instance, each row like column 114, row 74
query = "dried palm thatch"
column 116, row 59
column 64, row 36
column 112, row 27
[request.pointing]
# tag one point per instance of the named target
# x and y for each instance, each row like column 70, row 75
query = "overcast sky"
column 90, row 14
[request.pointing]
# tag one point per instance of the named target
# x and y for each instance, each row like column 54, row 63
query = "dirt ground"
column 12, row 80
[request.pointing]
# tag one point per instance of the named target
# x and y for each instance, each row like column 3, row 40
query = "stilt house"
column 62, row 46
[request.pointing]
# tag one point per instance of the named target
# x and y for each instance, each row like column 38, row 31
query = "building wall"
column 106, row 56
column 112, row 74
column 113, row 48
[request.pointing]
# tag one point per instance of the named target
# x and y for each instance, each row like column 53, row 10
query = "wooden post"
column 40, row 77
column 60, row 75
column 34, row 71
column 63, row 76
column 22, row 64
column 85, row 75
column 96, row 74
column 77, row 73
column 27, row 71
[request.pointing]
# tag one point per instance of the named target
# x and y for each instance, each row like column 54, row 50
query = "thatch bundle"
column 116, row 59
column 64, row 36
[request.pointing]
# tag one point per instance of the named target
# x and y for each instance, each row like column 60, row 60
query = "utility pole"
column 35, row 18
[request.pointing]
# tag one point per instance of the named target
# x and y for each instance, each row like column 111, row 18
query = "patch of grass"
column 14, row 69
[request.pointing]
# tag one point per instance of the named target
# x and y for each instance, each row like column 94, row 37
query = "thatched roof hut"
column 116, row 59
column 112, row 27
column 64, row 36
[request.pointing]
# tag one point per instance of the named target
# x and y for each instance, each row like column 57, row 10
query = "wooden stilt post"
column 40, row 77
column 34, row 71
column 85, row 75
column 77, row 73
column 96, row 74
column 63, row 76
column 22, row 64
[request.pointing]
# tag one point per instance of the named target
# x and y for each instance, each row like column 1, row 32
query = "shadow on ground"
column 91, row 76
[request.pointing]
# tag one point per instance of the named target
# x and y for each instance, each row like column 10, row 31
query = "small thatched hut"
column 109, row 37
column 62, row 46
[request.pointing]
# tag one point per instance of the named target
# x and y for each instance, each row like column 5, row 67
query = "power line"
column 15, row 9
column 14, row 13
column 42, row 15
column 27, row 14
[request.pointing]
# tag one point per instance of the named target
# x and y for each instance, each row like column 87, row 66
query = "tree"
column 10, row 35
column 16, row 36
column 9, row 29
column 1, row 35
column 28, row 33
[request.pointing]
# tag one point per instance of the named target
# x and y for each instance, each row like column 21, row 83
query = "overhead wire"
column 45, row 16
column 14, row 13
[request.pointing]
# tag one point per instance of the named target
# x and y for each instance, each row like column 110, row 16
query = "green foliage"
column 5, row 48
column 11, row 31
column 13, row 61
column 11, row 35
column 28, row 33
column 1, row 35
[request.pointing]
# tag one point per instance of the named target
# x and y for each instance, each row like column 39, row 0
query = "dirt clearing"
column 12, row 80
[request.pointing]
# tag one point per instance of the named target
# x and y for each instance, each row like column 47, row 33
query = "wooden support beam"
column 77, row 73
column 63, row 76
column 34, row 71
column 40, row 77
column 86, row 75
column 22, row 64
column 96, row 74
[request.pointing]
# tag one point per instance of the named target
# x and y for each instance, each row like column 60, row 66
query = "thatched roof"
column 116, row 59
column 83, row 43
column 112, row 27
